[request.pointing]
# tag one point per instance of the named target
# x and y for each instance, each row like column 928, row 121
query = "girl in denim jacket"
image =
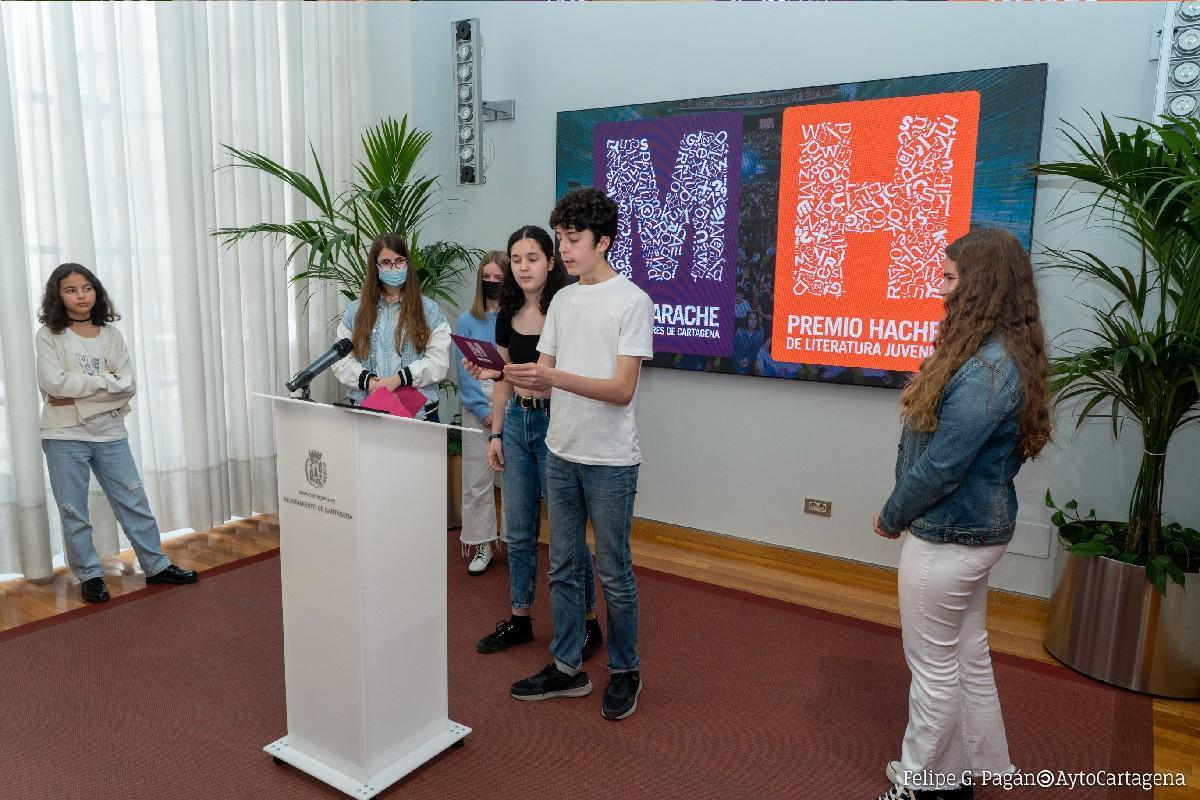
column 401, row 337
column 86, row 378
column 977, row 410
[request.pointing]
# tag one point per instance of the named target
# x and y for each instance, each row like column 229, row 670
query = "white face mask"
column 393, row 277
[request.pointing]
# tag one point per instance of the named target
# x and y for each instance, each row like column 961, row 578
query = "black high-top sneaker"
column 515, row 630
column 904, row 793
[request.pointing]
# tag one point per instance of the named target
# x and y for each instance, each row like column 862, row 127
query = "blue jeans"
column 575, row 493
column 70, row 464
column 523, row 486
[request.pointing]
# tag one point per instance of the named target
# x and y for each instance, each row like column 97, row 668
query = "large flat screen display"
column 799, row 234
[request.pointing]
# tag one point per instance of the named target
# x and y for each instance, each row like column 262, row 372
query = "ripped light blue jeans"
column 70, row 464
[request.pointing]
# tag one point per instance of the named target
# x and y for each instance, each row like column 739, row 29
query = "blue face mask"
column 393, row 277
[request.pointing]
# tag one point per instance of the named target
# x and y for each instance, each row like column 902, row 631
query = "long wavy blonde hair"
column 996, row 293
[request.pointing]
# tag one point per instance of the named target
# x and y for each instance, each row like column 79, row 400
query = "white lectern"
column 362, row 520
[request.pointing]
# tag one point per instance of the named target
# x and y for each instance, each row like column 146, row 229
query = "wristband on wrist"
column 499, row 435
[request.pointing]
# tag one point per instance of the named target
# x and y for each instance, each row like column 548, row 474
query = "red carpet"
column 175, row 694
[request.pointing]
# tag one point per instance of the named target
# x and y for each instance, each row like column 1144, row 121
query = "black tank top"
column 522, row 348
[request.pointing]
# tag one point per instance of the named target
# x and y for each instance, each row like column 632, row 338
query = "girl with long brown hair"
column 533, row 275
column 401, row 337
column 975, row 412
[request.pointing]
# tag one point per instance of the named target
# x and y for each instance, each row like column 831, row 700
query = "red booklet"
column 404, row 402
column 480, row 352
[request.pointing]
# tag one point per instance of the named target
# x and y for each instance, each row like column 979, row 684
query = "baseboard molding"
column 648, row 530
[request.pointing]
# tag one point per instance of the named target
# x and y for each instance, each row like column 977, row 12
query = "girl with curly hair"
column 975, row 412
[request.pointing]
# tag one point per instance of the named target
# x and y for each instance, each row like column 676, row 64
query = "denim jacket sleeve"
column 470, row 389
column 434, row 363
column 350, row 371
column 977, row 399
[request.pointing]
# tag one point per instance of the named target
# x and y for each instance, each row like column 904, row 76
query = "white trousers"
column 954, row 720
column 478, row 487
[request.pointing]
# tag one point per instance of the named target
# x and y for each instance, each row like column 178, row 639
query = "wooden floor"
column 1016, row 622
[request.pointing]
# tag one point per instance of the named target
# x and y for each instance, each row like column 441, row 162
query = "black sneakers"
column 551, row 682
column 516, row 630
column 904, row 793
column 592, row 638
column 94, row 590
column 620, row 698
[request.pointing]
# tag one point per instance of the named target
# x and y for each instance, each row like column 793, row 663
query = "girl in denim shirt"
column 401, row 337
column 977, row 410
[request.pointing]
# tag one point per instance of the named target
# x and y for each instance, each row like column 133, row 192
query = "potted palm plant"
column 386, row 195
column 1122, row 611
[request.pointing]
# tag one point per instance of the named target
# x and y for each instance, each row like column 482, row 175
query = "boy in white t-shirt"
column 597, row 333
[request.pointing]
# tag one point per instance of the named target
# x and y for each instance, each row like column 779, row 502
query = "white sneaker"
column 901, row 792
column 481, row 560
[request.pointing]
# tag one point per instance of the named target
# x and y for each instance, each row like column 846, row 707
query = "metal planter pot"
column 1108, row 622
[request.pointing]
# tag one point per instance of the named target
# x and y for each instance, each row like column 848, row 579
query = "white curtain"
column 112, row 119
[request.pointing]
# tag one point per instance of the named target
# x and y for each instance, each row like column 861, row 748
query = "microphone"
column 304, row 377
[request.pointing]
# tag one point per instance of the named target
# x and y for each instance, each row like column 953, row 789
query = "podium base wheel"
column 278, row 760
column 459, row 743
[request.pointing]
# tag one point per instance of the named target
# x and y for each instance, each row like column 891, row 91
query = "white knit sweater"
column 61, row 376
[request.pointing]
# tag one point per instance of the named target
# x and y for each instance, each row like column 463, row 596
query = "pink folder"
column 404, row 402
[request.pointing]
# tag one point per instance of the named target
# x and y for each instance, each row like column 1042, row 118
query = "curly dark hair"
column 511, row 296
column 587, row 210
column 53, row 313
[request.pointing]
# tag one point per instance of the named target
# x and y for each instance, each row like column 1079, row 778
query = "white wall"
column 389, row 54
column 737, row 455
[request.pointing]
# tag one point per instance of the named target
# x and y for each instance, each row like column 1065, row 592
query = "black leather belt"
column 532, row 402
